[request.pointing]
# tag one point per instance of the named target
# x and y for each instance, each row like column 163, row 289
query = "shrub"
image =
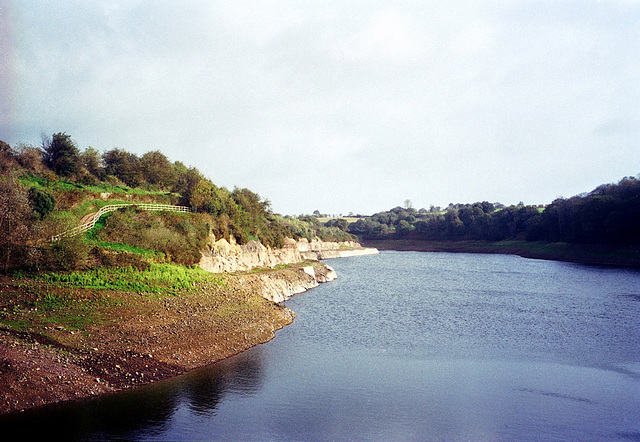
column 42, row 202
column 69, row 253
column 179, row 236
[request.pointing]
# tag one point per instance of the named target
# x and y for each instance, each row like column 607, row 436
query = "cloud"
column 341, row 106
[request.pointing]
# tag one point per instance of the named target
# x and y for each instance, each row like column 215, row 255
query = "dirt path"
column 85, row 219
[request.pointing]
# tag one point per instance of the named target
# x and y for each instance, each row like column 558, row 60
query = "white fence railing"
column 110, row 208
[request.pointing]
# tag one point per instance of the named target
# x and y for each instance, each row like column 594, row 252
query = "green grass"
column 152, row 254
column 350, row 219
column 269, row 269
column 162, row 279
column 92, row 237
column 31, row 180
column 50, row 308
column 68, row 312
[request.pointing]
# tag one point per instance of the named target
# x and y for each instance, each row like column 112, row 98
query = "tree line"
column 610, row 214
column 27, row 211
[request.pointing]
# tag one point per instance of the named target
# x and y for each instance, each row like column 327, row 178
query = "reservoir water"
column 410, row 346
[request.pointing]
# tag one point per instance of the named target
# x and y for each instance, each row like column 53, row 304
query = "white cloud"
column 388, row 35
column 360, row 104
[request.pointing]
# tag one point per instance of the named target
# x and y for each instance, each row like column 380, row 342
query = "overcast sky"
column 340, row 106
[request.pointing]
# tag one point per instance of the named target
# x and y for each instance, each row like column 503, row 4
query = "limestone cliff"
column 283, row 284
column 224, row 256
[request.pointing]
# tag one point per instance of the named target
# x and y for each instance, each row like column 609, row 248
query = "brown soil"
column 138, row 340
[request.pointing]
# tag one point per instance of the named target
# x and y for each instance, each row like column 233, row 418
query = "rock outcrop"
column 279, row 287
column 224, row 256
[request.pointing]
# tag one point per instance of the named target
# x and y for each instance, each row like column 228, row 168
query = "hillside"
column 48, row 190
column 86, row 311
column 600, row 227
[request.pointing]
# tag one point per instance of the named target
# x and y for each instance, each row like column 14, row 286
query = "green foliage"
column 123, row 165
column 310, row 228
column 16, row 224
column 608, row 215
column 179, row 237
column 340, row 223
column 41, row 201
column 49, row 301
column 157, row 170
column 85, row 180
column 186, row 182
column 164, row 279
column 69, row 253
column 368, row 228
column 91, row 160
column 207, row 197
column 61, row 155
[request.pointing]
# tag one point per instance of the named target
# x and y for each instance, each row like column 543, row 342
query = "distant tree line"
column 610, row 214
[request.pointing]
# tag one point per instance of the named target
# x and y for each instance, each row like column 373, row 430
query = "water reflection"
column 143, row 411
column 203, row 389
column 407, row 346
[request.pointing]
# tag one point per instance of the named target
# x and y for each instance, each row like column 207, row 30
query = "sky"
column 339, row 106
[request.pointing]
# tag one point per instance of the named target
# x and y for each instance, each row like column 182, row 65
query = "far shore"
column 594, row 254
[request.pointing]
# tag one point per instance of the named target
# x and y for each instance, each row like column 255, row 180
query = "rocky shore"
column 150, row 341
column 146, row 339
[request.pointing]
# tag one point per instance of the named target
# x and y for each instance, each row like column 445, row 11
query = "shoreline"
column 156, row 339
column 590, row 254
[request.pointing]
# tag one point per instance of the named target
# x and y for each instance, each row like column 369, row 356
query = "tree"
column 30, row 158
column 455, row 226
column 60, row 154
column 404, row 228
column 7, row 159
column 156, row 169
column 340, row 223
column 42, row 202
column 124, row 166
column 368, row 229
column 186, row 182
column 16, row 220
column 92, row 162
column 207, row 197
column 251, row 202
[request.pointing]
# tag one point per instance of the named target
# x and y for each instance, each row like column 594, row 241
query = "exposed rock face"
column 283, row 285
column 223, row 256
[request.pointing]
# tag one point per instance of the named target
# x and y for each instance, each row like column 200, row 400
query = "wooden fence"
column 87, row 225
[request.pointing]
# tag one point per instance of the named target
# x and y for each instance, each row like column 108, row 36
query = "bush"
column 42, row 202
column 180, row 236
column 69, row 253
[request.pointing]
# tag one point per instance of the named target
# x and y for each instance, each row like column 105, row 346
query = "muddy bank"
column 141, row 339
column 594, row 254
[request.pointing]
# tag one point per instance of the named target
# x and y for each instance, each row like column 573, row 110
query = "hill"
column 86, row 312
column 49, row 189
column 597, row 227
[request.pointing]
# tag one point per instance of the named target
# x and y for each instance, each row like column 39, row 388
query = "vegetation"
column 608, row 215
column 47, row 190
column 164, row 279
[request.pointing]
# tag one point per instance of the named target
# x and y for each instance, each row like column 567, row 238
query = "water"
column 411, row 346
